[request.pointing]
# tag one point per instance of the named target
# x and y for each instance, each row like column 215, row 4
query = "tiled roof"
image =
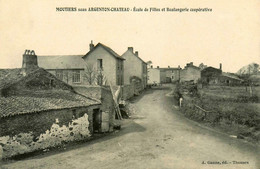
column 108, row 49
column 27, row 100
column 229, row 75
column 61, row 62
column 36, row 101
column 10, row 76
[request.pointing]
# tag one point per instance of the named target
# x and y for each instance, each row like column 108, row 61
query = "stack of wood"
column 116, row 97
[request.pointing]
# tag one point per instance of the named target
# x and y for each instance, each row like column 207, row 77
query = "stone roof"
column 108, row 49
column 62, row 62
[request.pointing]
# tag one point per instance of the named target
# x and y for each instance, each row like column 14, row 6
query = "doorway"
column 97, row 120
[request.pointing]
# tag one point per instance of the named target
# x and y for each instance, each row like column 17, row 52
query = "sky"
column 230, row 34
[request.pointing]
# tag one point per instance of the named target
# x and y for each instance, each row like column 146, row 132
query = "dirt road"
column 157, row 136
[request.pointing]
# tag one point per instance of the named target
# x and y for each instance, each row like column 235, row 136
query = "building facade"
column 68, row 68
column 215, row 76
column 134, row 66
column 107, row 63
column 190, row 73
column 37, row 107
column 154, row 76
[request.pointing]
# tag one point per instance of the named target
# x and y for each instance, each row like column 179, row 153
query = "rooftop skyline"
column 229, row 34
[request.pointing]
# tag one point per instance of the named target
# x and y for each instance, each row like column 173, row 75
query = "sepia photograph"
column 108, row 84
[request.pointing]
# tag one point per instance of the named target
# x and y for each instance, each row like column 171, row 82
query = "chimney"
column 220, row 66
column 191, row 63
column 91, row 45
column 131, row 49
column 136, row 53
column 29, row 59
column 158, row 67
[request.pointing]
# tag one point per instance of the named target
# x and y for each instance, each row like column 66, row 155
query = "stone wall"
column 128, row 91
column 30, row 132
column 104, row 95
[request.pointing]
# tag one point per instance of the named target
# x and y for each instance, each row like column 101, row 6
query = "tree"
column 202, row 66
column 90, row 74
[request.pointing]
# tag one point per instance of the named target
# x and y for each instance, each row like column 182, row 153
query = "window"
column 118, row 64
column 76, row 76
column 59, row 74
column 100, row 64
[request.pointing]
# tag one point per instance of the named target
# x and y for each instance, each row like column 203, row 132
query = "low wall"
column 128, row 91
column 30, row 132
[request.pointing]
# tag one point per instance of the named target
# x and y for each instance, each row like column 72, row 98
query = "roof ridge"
column 59, row 55
column 108, row 49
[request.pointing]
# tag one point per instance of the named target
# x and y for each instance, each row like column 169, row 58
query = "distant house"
column 190, row 73
column 107, row 62
column 153, row 76
column 169, row 74
column 68, row 68
column 134, row 66
column 166, row 75
column 172, row 74
column 230, row 79
column 37, row 107
column 211, row 75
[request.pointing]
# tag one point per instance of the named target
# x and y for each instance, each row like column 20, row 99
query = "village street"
column 157, row 136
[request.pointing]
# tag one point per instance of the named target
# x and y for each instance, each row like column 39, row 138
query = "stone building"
column 104, row 95
column 214, row 76
column 134, row 66
column 170, row 74
column 39, row 111
column 167, row 75
column 107, row 62
column 210, row 75
column 190, row 73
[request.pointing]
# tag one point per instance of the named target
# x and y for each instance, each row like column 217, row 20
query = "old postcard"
column 130, row 84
